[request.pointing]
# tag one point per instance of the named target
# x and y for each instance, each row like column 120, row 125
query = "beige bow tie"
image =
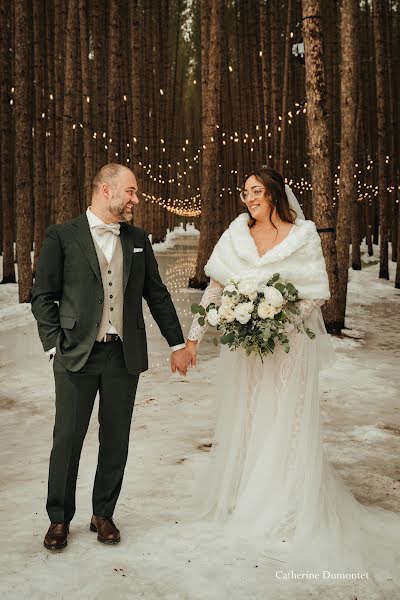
column 113, row 227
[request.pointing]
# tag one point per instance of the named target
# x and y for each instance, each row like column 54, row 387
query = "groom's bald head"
column 108, row 174
column 114, row 193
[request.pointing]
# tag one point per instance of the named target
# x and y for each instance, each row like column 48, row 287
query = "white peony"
column 241, row 312
column 226, row 313
column 266, row 310
column 248, row 288
column 273, row 296
column 213, row 317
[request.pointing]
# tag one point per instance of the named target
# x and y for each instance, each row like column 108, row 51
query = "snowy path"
column 172, row 425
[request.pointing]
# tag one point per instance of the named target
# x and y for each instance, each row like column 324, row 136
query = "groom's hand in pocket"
column 180, row 360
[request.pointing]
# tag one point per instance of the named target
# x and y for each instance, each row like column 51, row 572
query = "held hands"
column 181, row 359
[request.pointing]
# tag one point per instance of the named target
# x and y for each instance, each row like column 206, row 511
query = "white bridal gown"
column 268, row 481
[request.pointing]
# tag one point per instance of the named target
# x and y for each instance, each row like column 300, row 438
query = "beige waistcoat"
column 112, row 278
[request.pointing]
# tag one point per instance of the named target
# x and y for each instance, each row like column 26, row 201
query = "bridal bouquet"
column 255, row 316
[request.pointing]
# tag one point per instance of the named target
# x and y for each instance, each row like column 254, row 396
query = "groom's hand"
column 180, row 360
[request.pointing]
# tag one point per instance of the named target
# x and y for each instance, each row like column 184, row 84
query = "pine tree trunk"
column 356, row 235
column 86, row 113
column 241, row 114
column 331, row 49
column 318, row 127
column 264, row 75
column 275, row 83
column 98, row 25
column 347, row 187
column 67, row 205
column 288, row 49
column 51, row 141
column 39, row 140
column 391, row 143
column 6, row 147
column 136, row 134
column 378, row 24
column 113, row 83
column 359, row 215
column 23, row 134
column 211, row 51
column 60, row 22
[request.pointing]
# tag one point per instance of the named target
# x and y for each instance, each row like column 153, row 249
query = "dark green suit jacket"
column 68, row 273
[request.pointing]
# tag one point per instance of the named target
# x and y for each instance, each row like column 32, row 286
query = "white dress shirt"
column 106, row 241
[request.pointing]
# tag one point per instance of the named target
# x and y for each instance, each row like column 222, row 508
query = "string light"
column 366, row 191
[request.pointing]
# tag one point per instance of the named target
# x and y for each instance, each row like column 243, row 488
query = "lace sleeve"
column 306, row 308
column 212, row 293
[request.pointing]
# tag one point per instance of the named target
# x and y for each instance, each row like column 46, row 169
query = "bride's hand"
column 191, row 346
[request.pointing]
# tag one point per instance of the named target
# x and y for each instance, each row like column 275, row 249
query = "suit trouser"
column 104, row 371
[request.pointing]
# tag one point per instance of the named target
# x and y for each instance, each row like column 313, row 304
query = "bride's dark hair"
column 275, row 192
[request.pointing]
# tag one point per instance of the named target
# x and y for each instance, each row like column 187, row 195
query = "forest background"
column 193, row 95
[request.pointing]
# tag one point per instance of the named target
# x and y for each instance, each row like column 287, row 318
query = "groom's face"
column 124, row 196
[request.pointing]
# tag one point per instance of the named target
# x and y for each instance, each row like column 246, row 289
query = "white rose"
column 249, row 289
column 226, row 300
column 230, row 288
column 241, row 313
column 229, row 300
column 248, row 306
column 213, row 317
column 266, row 311
column 273, row 296
column 226, row 313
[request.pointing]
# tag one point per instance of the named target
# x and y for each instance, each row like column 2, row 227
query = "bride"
column 268, row 480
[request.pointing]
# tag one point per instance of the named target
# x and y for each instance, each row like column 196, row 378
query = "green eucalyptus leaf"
column 291, row 289
column 274, row 278
column 228, row 338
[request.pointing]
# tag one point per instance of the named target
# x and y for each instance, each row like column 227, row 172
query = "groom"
column 87, row 299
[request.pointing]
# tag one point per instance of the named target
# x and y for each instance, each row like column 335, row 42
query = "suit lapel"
column 127, row 244
column 85, row 241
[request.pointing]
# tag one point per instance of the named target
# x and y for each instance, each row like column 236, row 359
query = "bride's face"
column 257, row 199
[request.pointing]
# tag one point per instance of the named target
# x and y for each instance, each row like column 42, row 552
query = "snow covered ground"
column 171, row 429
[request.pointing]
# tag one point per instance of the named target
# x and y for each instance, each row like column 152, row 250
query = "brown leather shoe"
column 56, row 536
column 107, row 532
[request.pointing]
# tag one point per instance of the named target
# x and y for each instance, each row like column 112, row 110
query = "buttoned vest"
column 112, row 278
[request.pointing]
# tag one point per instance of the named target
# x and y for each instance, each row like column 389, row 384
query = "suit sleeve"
column 47, row 289
column 159, row 300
